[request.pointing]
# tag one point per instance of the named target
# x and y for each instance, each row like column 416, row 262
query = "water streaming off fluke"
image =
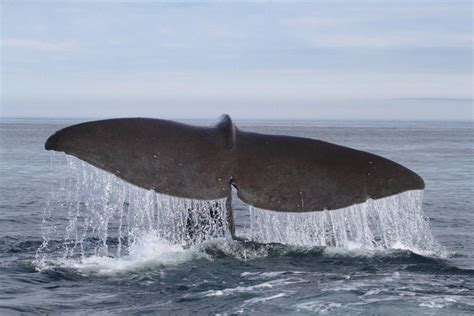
column 102, row 215
column 392, row 222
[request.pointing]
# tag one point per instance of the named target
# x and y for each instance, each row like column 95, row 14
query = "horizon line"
column 235, row 118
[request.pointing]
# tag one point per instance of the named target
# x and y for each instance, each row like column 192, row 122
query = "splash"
column 94, row 213
column 149, row 252
column 393, row 222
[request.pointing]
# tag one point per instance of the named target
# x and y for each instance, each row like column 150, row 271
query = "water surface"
column 222, row 276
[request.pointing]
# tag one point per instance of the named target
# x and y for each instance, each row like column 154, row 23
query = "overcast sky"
column 275, row 60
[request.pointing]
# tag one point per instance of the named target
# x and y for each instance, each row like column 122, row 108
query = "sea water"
column 76, row 239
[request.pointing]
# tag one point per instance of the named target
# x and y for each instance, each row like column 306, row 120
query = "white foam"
column 257, row 300
column 236, row 249
column 267, row 275
column 319, row 306
column 437, row 302
column 149, row 252
column 253, row 288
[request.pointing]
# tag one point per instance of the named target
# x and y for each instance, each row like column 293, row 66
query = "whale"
column 273, row 172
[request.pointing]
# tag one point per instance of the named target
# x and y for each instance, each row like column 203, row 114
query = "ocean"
column 74, row 239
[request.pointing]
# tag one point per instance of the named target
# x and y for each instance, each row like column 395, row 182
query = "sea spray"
column 392, row 222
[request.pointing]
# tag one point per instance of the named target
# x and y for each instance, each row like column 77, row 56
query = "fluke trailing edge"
column 279, row 173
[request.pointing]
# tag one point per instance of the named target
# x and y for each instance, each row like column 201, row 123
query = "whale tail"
column 273, row 172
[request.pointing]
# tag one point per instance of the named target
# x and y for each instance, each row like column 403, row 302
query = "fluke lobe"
column 273, row 172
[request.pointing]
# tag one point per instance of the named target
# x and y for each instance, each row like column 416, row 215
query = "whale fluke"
column 278, row 173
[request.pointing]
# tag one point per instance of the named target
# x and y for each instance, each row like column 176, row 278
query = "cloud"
column 419, row 40
column 40, row 45
column 310, row 21
column 253, row 85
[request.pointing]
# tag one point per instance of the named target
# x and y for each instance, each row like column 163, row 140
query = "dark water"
column 245, row 277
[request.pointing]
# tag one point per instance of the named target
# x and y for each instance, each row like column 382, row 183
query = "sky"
column 355, row 60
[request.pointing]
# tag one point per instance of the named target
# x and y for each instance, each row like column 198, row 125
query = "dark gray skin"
column 283, row 173
column 278, row 173
column 165, row 156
